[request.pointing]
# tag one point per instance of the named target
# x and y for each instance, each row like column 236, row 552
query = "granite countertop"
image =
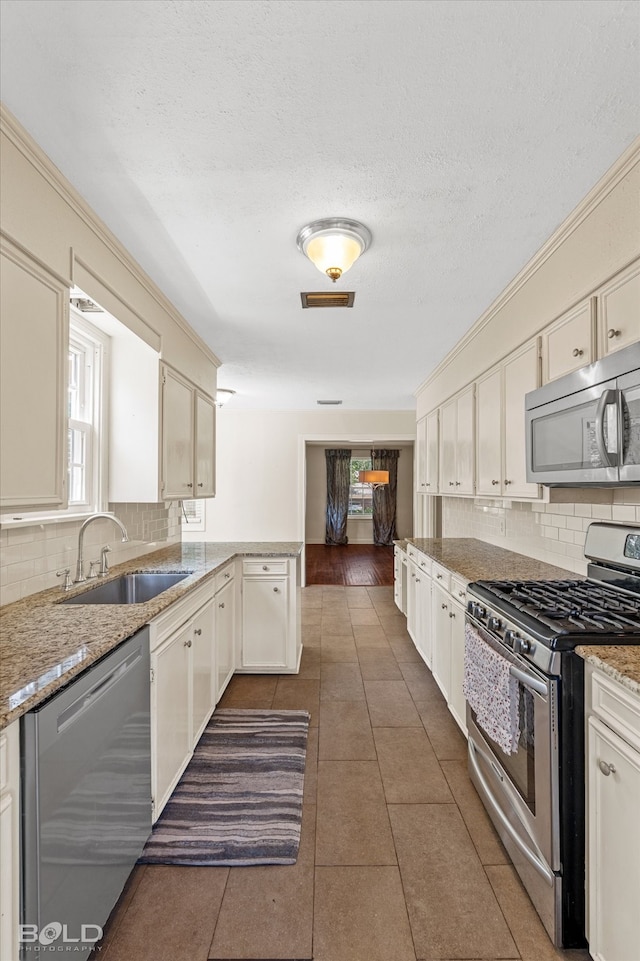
column 44, row 644
column 476, row 560
column 620, row 662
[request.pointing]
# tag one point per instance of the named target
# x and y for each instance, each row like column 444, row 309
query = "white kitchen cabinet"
column 619, row 311
column 570, row 341
column 34, row 336
column 226, row 630
column 457, row 701
column 427, row 454
column 500, row 432
column 10, row 841
column 423, row 629
column 613, row 801
column 457, row 444
column 441, row 656
column 270, row 626
column 188, row 439
column 183, row 666
column 400, row 576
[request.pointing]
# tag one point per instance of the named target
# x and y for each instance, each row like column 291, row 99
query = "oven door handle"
column 531, row 682
column 540, row 866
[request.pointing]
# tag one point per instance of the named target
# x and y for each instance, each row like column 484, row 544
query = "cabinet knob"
column 200, row 484
column 444, row 607
column 275, row 590
column 507, row 482
column 198, row 631
column 578, row 352
column 264, row 567
column 187, row 643
column 189, row 485
column 458, row 483
column 438, row 577
column 451, row 484
column 221, row 604
column 606, row 769
column 227, row 574
column 451, row 614
column 495, row 482
column 417, row 580
column 428, row 484
column 612, row 332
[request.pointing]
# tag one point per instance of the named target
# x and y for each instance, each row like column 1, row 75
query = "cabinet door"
column 202, row 670
column 448, row 434
column 431, row 483
column 34, row 337
column 489, row 433
column 265, row 634
column 421, row 455
column 412, row 599
column 613, row 845
column 619, row 311
column 170, row 715
column 441, row 661
column 520, row 376
column 568, row 343
column 457, row 701
column 225, row 602
column 465, row 447
column 205, row 446
column 177, row 436
column 424, row 631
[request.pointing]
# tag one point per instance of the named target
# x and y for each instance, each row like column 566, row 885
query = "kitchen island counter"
column 44, row 643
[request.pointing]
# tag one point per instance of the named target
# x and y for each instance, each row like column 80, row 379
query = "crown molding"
column 36, row 156
column 616, row 173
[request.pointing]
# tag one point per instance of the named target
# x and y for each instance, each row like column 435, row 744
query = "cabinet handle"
column 458, row 483
column 438, row 577
column 444, row 607
column 200, row 484
column 612, row 332
column 507, row 482
column 187, row 643
column 275, row 590
column 189, row 485
column 417, row 580
column 227, row 574
column 451, row 484
column 221, row 604
column 428, row 484
column 460, row 593
column 451, row 614
column 606, row 769
column 578, row 352
column 495, row 482
column 198, row 631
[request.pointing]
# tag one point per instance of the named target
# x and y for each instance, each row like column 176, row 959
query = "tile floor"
column 398, row 860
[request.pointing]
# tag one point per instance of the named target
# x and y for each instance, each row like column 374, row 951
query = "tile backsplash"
column 31, row 555
column 554, row 533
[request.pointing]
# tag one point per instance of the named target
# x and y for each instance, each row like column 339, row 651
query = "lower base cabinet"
column 225, row 633
column 10, row 841
column 270, row 634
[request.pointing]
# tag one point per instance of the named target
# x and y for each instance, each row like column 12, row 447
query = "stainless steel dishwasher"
column 86, row 781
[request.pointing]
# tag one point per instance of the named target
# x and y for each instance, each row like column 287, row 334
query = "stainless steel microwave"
column 584, row 429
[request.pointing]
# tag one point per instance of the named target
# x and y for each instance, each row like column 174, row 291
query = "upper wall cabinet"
column 619, row 311
column 500, row 435
column 427, row 454
column 188, row 439
column 34, row 335
column 569, row 342
column 457, row 450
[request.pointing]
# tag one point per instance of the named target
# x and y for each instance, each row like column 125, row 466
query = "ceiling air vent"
column 86, row 306
column 328, row 298
column 329, row 403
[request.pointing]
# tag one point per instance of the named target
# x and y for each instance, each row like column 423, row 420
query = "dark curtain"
column 384, row 498
column 338, row 482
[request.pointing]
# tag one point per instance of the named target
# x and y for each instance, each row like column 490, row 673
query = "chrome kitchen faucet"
column 79, row 578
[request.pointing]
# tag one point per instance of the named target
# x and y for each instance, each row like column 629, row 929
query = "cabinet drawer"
column 224, row 576
column 265, row 566
column 441, row 576
column 424, row 562
column 458, row 588
column 178, row 614
column 619, row 708
column 412, row 551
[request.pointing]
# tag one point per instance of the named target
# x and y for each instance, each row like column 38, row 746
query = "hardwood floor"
column 354, row 565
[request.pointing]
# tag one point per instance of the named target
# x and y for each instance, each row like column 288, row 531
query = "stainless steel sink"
column 129, row 589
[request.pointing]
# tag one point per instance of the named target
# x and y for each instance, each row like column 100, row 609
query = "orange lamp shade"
column 373, row 476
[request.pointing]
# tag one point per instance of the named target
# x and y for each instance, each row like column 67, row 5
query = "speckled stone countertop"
column 44, row 644
column 622, row 663
column 476, row 560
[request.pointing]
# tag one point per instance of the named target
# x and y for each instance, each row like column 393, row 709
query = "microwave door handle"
column 607, row 397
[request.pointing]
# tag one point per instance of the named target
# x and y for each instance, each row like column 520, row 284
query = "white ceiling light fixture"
column 223, row 394
column 333, row 244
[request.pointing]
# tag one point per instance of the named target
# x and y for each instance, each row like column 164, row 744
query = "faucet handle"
column 66, row 573
column 92, row 569
column 104, row 567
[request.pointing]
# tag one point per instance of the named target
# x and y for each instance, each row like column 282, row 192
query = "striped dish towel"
column 491, row 691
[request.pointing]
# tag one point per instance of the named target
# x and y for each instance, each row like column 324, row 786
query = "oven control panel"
column 510, row 635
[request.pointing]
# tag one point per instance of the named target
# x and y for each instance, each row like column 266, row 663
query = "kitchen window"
column 86, row 410
column 360, row 495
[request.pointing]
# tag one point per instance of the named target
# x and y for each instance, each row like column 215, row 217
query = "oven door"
column 575, row 440
column 520, row 790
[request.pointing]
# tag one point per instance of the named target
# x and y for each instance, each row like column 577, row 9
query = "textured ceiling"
column 206, row 133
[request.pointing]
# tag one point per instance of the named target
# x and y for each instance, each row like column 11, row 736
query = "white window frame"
column 360, row 456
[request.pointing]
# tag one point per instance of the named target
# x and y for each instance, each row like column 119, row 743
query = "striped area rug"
column 239, row 802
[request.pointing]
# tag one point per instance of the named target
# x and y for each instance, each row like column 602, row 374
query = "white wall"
column 260, row 469
column 359, row 529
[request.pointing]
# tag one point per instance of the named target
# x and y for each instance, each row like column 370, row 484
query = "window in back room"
column 360, row 495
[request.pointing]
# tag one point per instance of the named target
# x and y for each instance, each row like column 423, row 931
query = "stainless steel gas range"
column 536, row 794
